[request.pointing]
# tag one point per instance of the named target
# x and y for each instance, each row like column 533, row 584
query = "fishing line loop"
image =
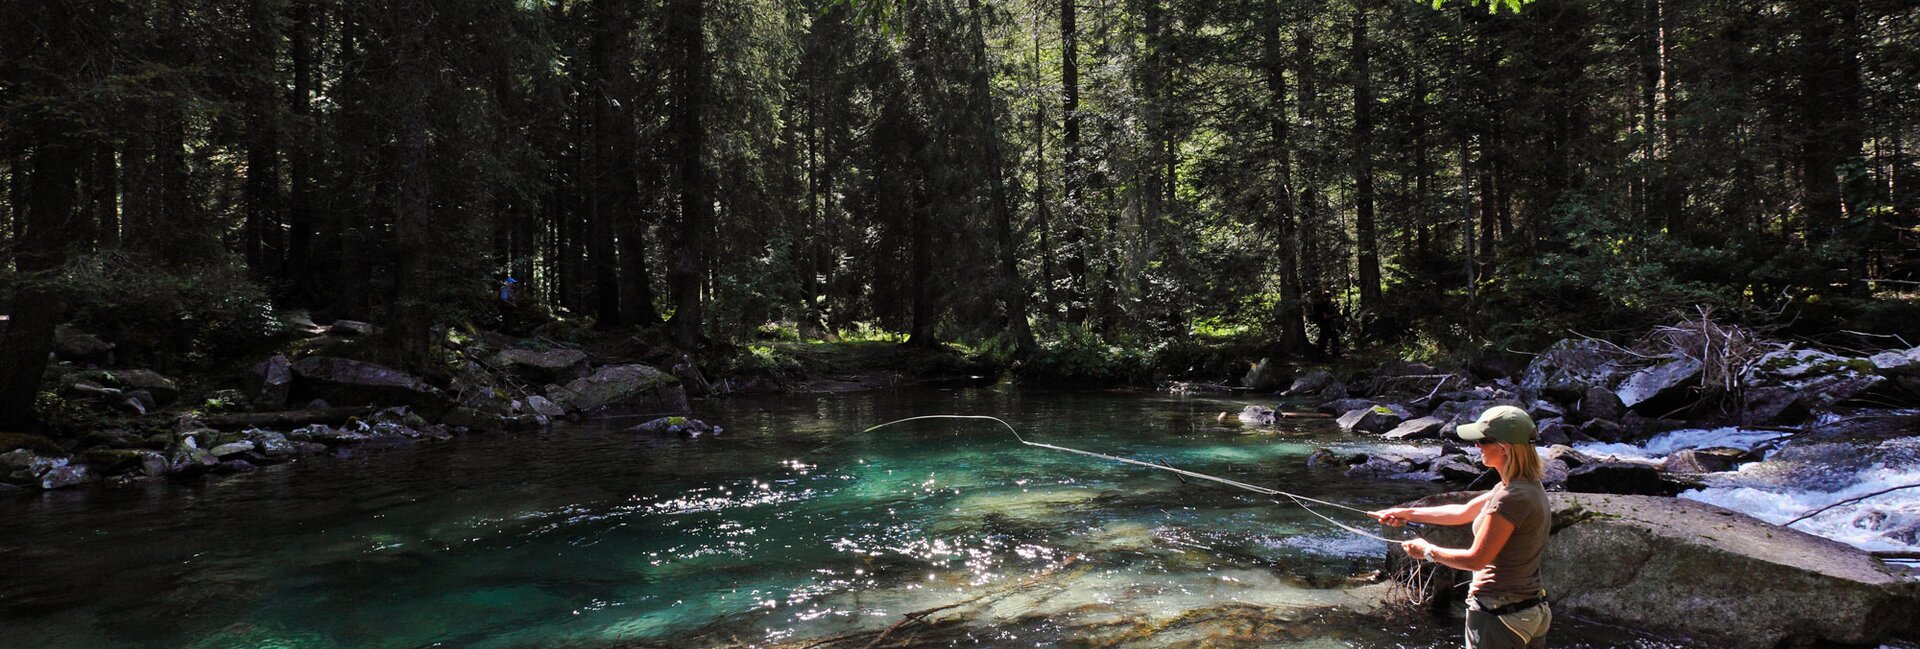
column 1297, row 499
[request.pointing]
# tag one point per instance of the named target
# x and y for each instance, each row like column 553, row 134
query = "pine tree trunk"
column 301, row 156
column 1363, row 166
column 1293, row 333
column 263, row 253
column 1073, row 210
column 686, row 21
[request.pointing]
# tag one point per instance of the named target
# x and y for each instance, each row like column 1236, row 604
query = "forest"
column 1050, row 183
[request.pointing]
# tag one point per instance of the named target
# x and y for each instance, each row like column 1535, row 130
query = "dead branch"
column 1816, row 512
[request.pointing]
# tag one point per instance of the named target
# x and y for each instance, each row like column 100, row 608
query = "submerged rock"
column 1257, row 416
column 682, row 426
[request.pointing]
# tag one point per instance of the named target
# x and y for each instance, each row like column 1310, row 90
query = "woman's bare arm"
column 1460, row 514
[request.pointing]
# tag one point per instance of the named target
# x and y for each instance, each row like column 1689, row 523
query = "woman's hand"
column 1417, row 549
column 1394, row 517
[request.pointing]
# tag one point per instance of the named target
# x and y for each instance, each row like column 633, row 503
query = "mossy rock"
column 38, row 444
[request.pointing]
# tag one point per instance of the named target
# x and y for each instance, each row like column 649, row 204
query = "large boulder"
column 543, row 367
column 1601, row 403
column 1376, row 419
column 350, row 382
column 271, row 383
column 1692, row 570
column 632, row 388
column 163, row 389
column 79, row 346
column 1661, row 389
column 1418, row 428
column 1614, row 476
column 1313, row 382
column 1902, row 367
column 1564, row 371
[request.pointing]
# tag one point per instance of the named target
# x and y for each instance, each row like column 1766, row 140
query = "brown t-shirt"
column 1515, row 572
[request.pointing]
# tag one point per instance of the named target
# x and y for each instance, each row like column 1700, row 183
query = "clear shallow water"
column 788, row 527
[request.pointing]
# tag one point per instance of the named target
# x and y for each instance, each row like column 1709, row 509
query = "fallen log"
column 287, row 419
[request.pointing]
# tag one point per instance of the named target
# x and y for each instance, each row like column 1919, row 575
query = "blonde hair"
column 1523, row 463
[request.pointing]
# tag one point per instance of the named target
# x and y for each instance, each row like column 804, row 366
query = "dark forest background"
column 1033, row 178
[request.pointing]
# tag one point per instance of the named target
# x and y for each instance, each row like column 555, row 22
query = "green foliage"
column 1493, row 6
column 1076, row 355
column 170, row 319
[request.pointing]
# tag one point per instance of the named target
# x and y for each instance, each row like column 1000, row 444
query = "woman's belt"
column 1512, row 608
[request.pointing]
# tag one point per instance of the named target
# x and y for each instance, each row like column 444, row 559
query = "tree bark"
column 686, row 21
column 1013, row 291
column 301, row 157
column 1072, row 210
column 263, row 252
column 1289, row 312
column 1369, row 254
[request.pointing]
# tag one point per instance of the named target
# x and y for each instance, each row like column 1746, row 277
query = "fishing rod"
column 1297, row 498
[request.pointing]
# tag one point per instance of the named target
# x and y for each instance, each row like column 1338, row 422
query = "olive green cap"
column 1502, row 424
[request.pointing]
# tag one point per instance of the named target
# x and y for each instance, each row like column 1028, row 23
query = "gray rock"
column 1456, row 468
column 545, row 407
column 1603, row 430
column 138, row 402
column 1419, row 428
column 1257, row 416
column 1265, row 376
column 1541, row 410
column 623, row 388
column 1342, row 406
column 1337, row 390
column 271, row 383
column 78, row 346
column 233, row 466
column 231, row 449
column 1706, row 460
column 1377, row 419
column 1688, row 569
column 1567, row 455
column 1324, row 457
column 1771, row 404
column 682, row 426
column 539, row 367
column 1824, row 391
column 1312, row 382
column 1623, row 477
column 1776, row 367
column 69, row 475
column 352, row 329
column 272, row 443
column 1460, row 412
column 1896, row 363
column 1379, row 467
column 1661, row 389
column 1565, row 370
column 163, row 389
column 1601, row 403
column 346, row 381
column 1553, row 431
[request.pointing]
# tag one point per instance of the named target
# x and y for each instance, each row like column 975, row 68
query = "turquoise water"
column 788, row 528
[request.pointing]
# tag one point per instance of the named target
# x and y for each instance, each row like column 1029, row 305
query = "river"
column 789, row 526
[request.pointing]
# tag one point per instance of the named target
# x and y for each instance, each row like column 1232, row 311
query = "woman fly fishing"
column 1506, row 605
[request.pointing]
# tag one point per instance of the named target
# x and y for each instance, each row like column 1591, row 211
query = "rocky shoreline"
column 321, row 404
column 1589, row 391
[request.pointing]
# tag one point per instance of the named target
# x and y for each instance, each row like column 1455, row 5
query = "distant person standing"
column 1507, row 604
column 509, row 303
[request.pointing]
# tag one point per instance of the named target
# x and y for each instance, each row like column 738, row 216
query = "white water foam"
column 1665, row 444
column 1802, row 478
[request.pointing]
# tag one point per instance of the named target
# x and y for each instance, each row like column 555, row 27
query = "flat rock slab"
column 1689, row 569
